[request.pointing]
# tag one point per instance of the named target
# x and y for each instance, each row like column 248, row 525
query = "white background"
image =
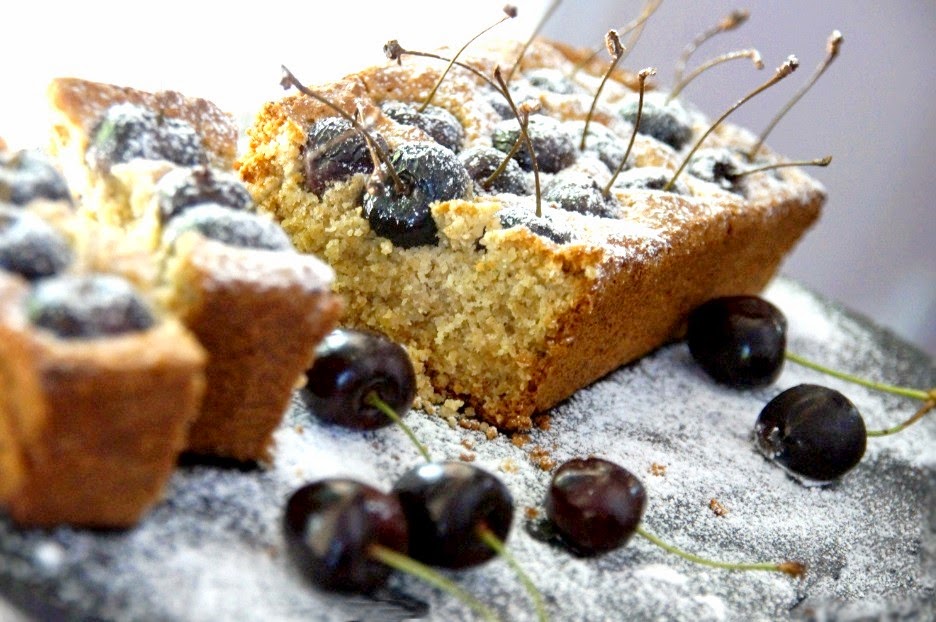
column 874, row 112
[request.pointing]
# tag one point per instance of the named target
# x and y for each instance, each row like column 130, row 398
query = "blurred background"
column 874, row 249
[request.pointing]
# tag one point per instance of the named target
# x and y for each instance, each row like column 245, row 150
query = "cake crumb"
column 508, row 466
column 451, row 421
column 716, row 507
column 542, row 458
column 519, row 440
column 542, row 422
column 467, row 443
column 466, row 456
column 657, row 469
column 531, row 513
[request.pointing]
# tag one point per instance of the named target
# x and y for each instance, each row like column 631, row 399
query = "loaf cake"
column 504, row 312
column 157, row 167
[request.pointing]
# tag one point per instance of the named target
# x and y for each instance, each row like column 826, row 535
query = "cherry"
column 230, row 226
column 331, row 528
column 88, row 306
column 482, row 162
column 579, row 193
column 440, row 124
column 718, row 166
column 448, row 505
column 552, row 80
column 29, row 246
column 813, row 432
column 738, row 340
column 554, row 146
column 128, row 131
column 184, row 187
column 667, row 122
column 335, row 150
column 648, row 178
column 594, row 505
column 352, row 365
column 543, row 226
column 431, row 173
column 27, row 175
column 608, row 146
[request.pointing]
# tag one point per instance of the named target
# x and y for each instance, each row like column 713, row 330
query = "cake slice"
column 505, row 310
column 139, row 162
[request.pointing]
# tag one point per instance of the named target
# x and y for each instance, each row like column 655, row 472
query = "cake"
column 505, row 312
column 137, row 162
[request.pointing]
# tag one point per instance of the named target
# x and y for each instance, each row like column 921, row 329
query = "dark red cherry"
column 330, row 527
column 29, row 246
column 738, row 340
column 813, row 432
column 334, row 151
column 28, row 175
column 349, row 366
column 594, row 505
column 440, row 124
column 553, row 144
column 445, row 506
column 184, row 187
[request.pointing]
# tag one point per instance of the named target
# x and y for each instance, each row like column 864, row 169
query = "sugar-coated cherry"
column 445, row 505
column 88, row 306
column 230, row 226
column 431, row 173
column 184, row 187
column 580, row 193
column 815, row 433
column 543, row 226
column 128, row 131
column 29, row 246
column 553, row 144
column 716, row 165
column 667, row 122
column 481, row 162
column 594, row 505
column 648, row 178
column 552, row 80
column 521, row 92
column 28, row 175
column 608, row 146
column 440, row 124
column 350, row 365
column 334, row 151
column 330, row 527
column 738, row 340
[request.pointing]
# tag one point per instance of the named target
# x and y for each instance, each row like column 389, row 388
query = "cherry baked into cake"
column 514, row 281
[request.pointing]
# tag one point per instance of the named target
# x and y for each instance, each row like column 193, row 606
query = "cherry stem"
column 782, row 72
column 290, row 80
column 729, row 22
column 451, row 64
column 374, row 400
column 539, row 26
column 635, row 28
column 794, row 569
column 493, row 542
column 395, row 52
column 916, row 394
column 503, row 165
column 833, row 45
column 826, row 161
column 410, row 566
column 642, row 77
column 523, row 120
column 617, row 51
column 752, row 54
column 927, row 406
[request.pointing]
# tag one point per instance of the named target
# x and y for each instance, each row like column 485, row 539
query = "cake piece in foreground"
column 502, row 309
column 157, row 166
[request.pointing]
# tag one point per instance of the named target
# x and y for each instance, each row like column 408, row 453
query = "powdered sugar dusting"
column 213, row 549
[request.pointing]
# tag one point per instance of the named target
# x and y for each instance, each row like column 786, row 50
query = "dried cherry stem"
column 752, row 54
column 616, row 50
column 826, row 161
column 927, row 406
column 374, row 400
column 729, row 22
column 523, row 120
column 635, row 29
column 833, row 45
column 510, row 12
column 792, row 568
column 410, row 566
column 494, row 543
column 642, row 78
column 289, row 80
column 503, row 165
column 539, row 26
column 395, row 51
column 784, row 70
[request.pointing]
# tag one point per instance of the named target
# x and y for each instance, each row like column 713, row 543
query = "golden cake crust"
column 92, row 428
column 623, row 287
